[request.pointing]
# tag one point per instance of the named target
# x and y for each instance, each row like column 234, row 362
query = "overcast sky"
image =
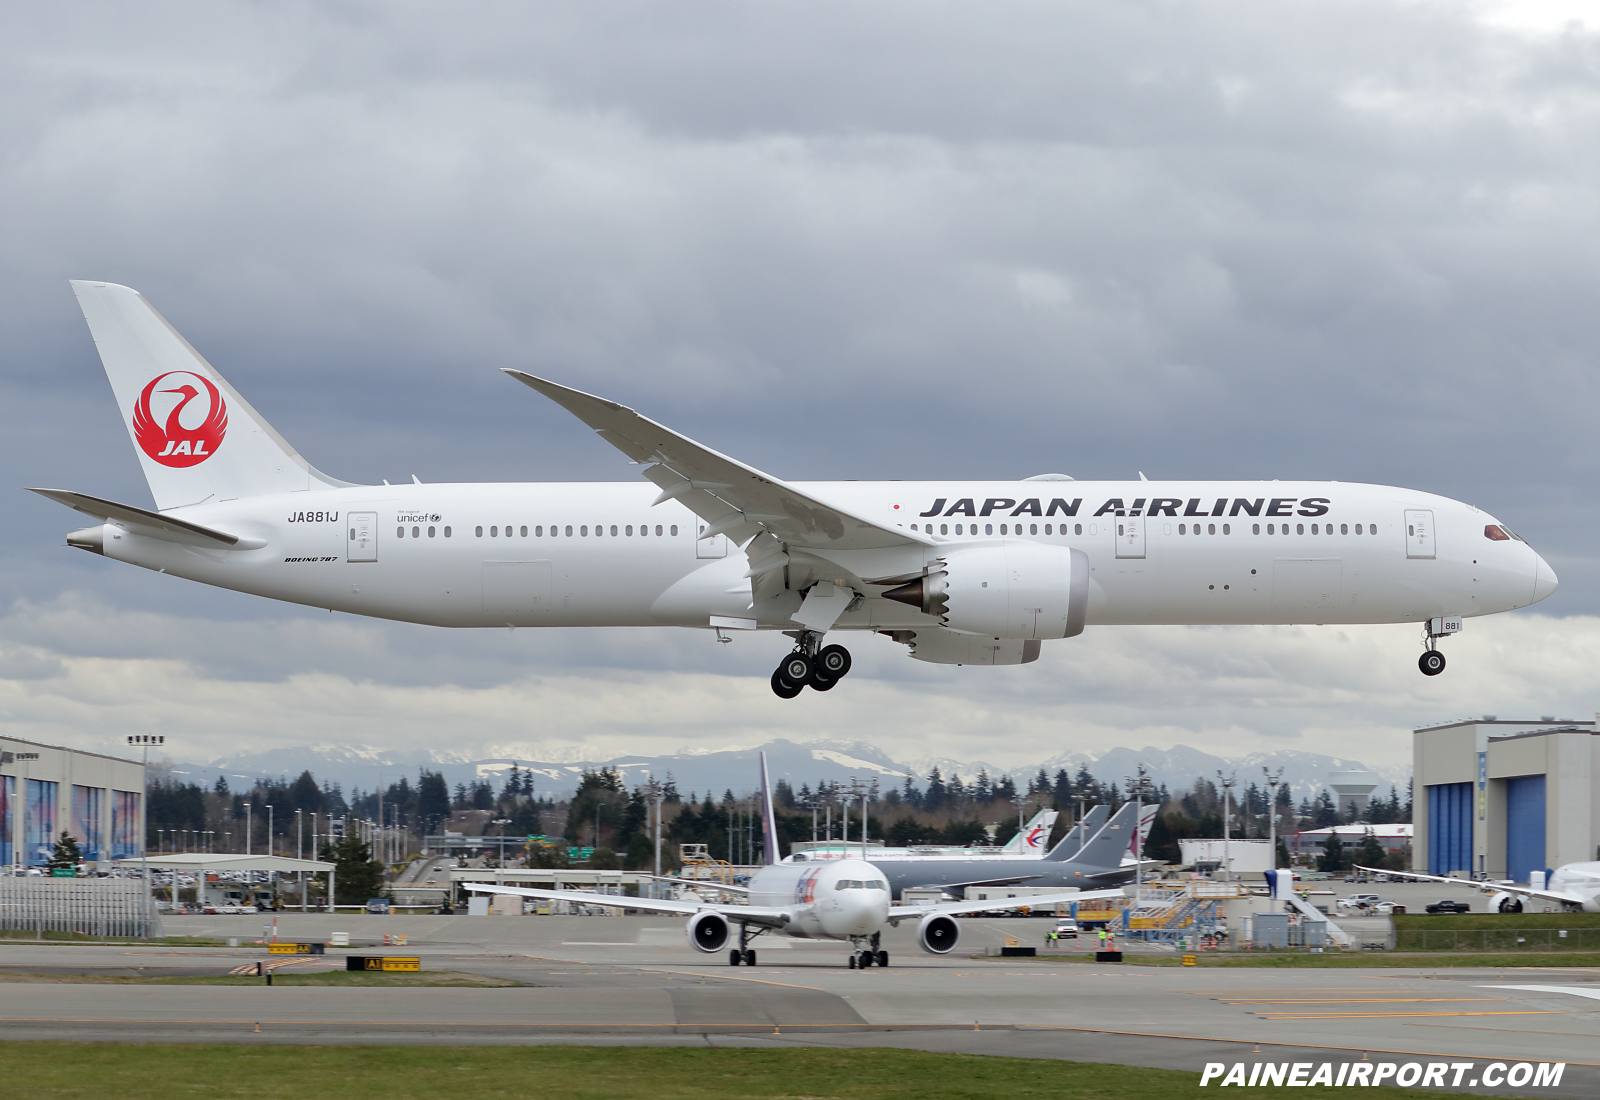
column 1350, row 241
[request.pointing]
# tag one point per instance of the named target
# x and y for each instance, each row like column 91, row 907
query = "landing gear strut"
column 869, row 955
column 1432, row 661
column 811, row 665
column 743, row 953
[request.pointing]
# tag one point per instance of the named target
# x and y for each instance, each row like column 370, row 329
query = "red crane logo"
column 170, row 443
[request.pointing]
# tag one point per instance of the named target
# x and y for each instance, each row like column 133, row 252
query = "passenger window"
column 988, row 528
column 430, row 532
column 958, row 528
column 1272, row 529
column 944, row 529
column 494, row 532
column 399, row 532
column 1313, row 528
column 1033, row 529
column 674, row 529
column 1255, row 528
column 1120, row 530
column 1372, row 528
column 480, row 532
column 1077, row 529
column 658, row 529
column 1048, row 531
column 1227, row 529
column 524, row 532
column 1299, row 528
column 583, row 531
column 1344, row 528
column 1183, row 528
column 1211, row 528
column 613, row 530
column 447, row 532
column 1411, row 530
column 416, row 532
column 628, row 530
column 538, row 532
column 569, row 530
column 1358, row 528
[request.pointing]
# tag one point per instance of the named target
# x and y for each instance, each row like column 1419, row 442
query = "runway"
column 635, row 980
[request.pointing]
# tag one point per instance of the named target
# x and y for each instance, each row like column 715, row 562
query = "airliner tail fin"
column 196, row 438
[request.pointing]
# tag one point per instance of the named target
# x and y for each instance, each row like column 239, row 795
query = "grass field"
column 9, row 935
column 335, row 978
column 93, row 1071
column 1355, row 959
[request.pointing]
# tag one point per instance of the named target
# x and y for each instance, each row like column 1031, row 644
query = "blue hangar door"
column 1524, row 826
column 1449, row 828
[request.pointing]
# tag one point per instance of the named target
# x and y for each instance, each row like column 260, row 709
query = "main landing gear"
column 867, row 956
column 810, row 666
column 743, row 953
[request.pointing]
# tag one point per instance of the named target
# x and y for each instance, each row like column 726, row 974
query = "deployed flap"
column 153, row 524
column 731, row 497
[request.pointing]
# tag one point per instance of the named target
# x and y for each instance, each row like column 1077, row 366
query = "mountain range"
column 735, row 769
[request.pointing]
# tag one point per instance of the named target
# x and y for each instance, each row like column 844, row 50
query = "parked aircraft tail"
column 769, row 823
column 1106, row 847
column 196, row 438
column 1034, row 836
column 1070, row 845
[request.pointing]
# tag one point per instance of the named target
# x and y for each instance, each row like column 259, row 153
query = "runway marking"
column 1402, row 1015
column 1355, row 1000
column 707, row 974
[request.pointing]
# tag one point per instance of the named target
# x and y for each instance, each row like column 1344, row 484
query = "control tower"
column 1353, row 791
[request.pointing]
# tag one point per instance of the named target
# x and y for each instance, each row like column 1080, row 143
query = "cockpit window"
column 1495, row 533
column 862, row 884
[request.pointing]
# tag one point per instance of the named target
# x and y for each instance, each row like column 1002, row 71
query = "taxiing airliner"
column 836, row 899
column 979, row 573
column 1575, row 887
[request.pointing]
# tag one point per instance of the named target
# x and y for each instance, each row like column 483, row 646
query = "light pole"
column 269, row 828
column 1227, row 783
column 1138, row 784
column 500, row 864
column 1272, row 811
column 653, row 789
column 862, row 789
column 247, row 830
column 145, row 740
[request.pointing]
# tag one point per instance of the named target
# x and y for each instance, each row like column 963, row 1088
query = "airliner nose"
column 1544, row 579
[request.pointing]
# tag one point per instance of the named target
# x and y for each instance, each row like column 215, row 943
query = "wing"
column 732, row 498
column 1037, row 901
column 1487, row 887
column 154, row 524
column 740, row 914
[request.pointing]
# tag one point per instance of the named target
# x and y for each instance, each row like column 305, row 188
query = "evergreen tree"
column 357, row 876
column 463, row 799
column 220, row 788
column 910, row 795
column 982, row 788
column 433, row 801
column 1005, row 789
column 1333, row 858
column 65, row 856
column 933, row 798
column 669, row 790
column 1061, row 789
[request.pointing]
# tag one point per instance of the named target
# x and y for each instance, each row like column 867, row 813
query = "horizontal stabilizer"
column 154, row 524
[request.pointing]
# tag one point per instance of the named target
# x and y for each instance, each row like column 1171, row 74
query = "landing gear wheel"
column 796, row 668
column 852, row 962
column 821, row 681
column 734, row 956
column 883, row 958
column 749, row 956
column 866, row 960
column 1431, row 663
column 834, row 661
column 782, row 688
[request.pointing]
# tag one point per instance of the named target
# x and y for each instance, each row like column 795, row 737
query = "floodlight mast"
column 1272, row 811
column 1138, row 784
column 1227, row 784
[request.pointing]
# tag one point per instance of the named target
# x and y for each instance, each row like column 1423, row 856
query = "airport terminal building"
column 47, row 789
column 1501, row 799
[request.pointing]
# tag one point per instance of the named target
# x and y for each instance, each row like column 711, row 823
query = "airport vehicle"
column 1573, row 886
column 838, row 899
column 979, row 573
column 1091, row 864
column 1066, row 929
column 1447, row 905
column 1356, row 901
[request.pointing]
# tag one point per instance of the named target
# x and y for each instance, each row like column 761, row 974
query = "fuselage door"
column 1130, row 537
column 361, row 541
column 1419, row 534
column 714, row 547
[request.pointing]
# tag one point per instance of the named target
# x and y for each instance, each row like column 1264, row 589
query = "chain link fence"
column 1498, row 939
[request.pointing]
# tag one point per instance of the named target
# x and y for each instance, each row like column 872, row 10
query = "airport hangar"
column 1505, row 799
column 47, row 789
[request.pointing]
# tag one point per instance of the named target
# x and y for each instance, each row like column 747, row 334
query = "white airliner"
column 961, row 572
column 835, row 899
column 1573, row 886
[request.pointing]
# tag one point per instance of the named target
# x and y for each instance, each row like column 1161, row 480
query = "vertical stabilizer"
column 1070, row 845
column 196, row 438
column 1034, row 836
column 1107, row 846
column 769, row 823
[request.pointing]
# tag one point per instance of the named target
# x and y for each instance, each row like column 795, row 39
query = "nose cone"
column 1544, row 579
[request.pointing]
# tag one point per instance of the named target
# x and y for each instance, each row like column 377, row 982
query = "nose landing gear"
column 810, row 666
column 1432, row 661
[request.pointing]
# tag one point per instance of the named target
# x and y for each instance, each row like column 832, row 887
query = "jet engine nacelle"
column 938, row 933
column 708, row 932
column 1502, row 902
column 1014, row 589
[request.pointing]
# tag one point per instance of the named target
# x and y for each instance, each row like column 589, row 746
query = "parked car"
column 1356, row 902
column 1066, row 929
column 1449, row 905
